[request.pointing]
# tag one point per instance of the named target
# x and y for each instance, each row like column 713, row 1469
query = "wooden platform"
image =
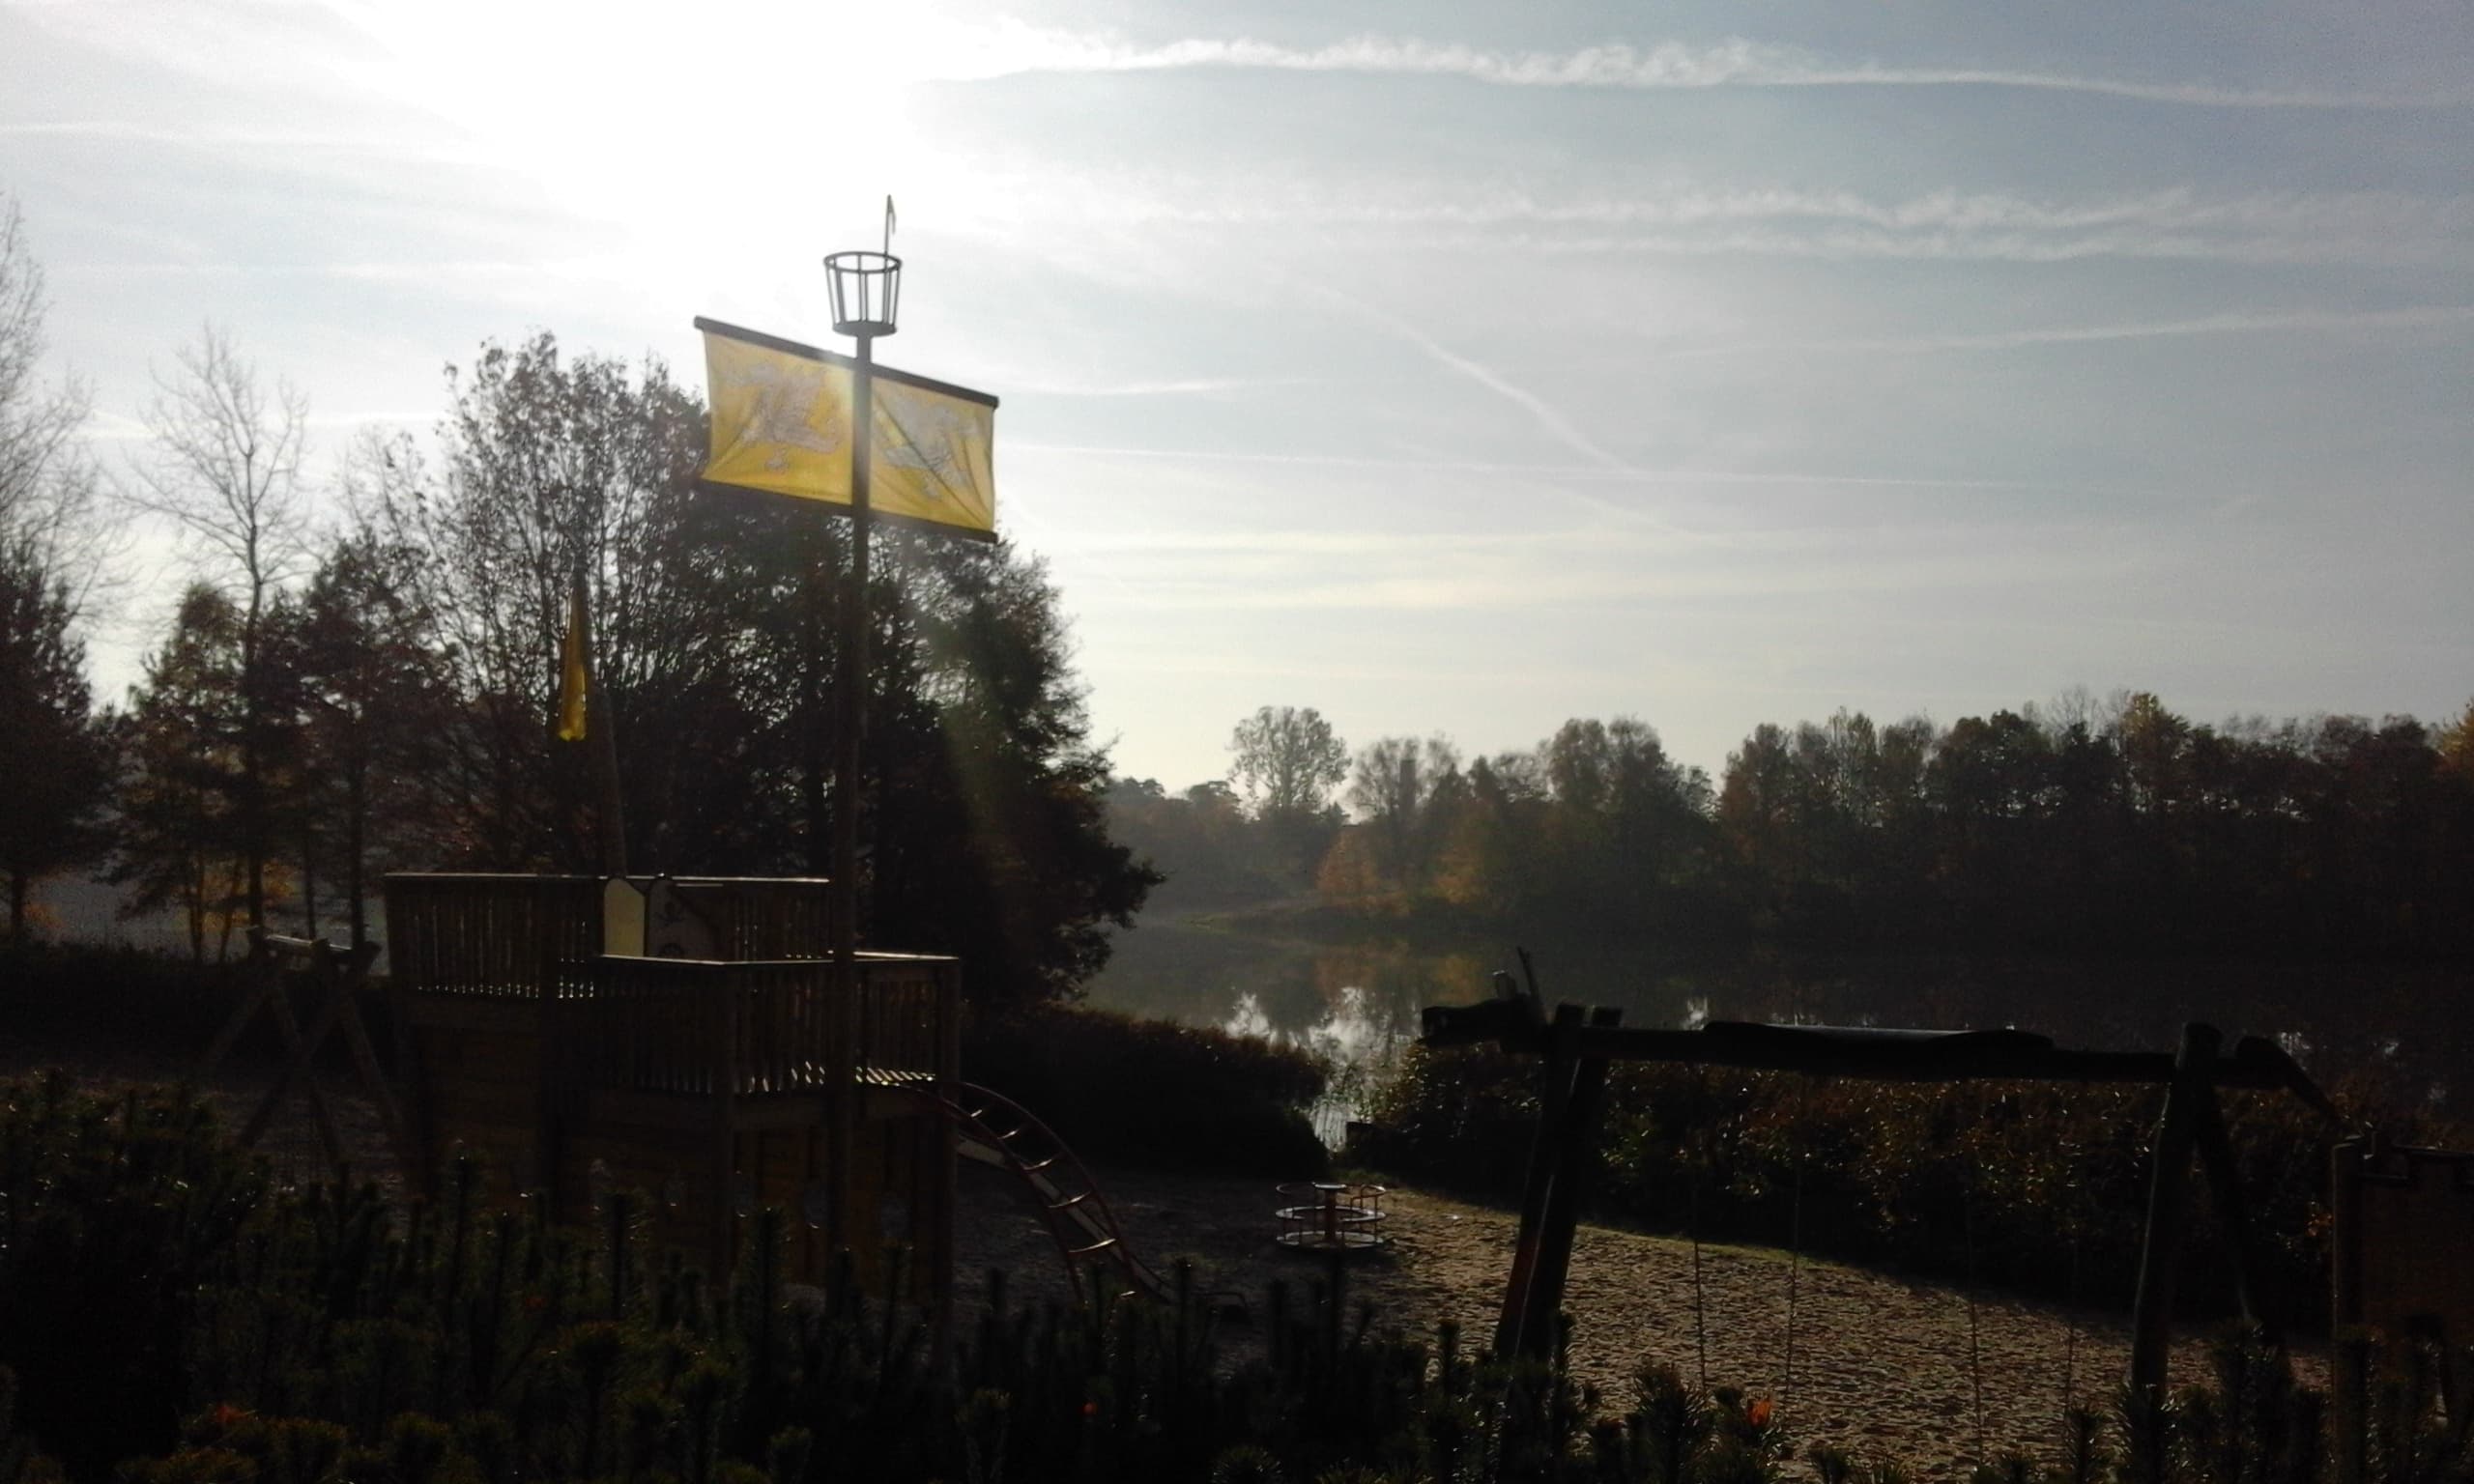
column 712, row 1084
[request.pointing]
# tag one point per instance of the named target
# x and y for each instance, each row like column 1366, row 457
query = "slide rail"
column 994, row 1129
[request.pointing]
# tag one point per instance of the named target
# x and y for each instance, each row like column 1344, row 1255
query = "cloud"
column 127, row 131
column 1545, row 415
column 2297, row 322
column 1227, row 571
column 1186, row 386
column 1686, row 217
column 1734, row 63
column 1622, row 473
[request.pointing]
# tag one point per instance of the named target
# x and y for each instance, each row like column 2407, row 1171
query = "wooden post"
column 2348, row 1406
column 549, row 1069
column 947, row 1183
column 1575, row 1159
column 2161, row 1243
column 2224, row 1185
column 408, row 967
column 300, row 1064
column 417, row 1109
column 2345, row 1210
column 725, row 1075
column 1563, row 1066
column 338, row 975
column 261, row 984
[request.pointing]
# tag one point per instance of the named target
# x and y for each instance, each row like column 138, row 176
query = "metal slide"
column 996, row 1130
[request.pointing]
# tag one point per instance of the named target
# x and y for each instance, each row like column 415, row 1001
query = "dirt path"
column 1882, row 1365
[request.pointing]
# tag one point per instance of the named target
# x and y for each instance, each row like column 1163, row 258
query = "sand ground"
column 1881, row 1366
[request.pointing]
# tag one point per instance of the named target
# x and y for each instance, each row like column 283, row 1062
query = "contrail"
column 1736, row 63
column 2422, row 317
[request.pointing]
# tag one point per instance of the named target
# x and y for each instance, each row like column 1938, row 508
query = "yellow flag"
column 781, row 417
column 573, row 680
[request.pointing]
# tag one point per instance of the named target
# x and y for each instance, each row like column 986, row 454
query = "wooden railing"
column 908, row 1018
column 764, row 917
column 494, row 936
column 700, row 1027
column 473, row 934
column 763, row 1018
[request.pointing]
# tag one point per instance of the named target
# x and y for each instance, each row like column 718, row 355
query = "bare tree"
column 48, row 479
column 51, row 555
column 226, row 469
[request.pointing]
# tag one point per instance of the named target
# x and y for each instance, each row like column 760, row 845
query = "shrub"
column 61, row 994
column 2034, row 1185
column 112, row 1215
column 1152, row 1091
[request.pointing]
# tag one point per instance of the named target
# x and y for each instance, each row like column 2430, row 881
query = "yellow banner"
column 782, row 425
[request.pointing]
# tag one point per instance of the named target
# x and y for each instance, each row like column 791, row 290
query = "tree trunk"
column 253, row 819
column 356, row 808
column 197, row 895
column 308, row 880
column 253, row 834
column 223, row 936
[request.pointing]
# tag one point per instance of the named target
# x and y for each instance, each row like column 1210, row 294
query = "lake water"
column 1357, row 1004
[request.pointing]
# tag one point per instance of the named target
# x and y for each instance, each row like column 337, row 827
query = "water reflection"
column 1357, row 1004
column 1360, row 1037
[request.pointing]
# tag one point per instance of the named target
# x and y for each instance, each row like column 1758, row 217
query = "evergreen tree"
column 180, row 844
column 58, row 757
column 50, row 550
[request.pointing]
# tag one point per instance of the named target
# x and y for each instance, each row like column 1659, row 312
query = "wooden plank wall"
column 2404, row 1238
column 479, row 1094
column 649, row 1063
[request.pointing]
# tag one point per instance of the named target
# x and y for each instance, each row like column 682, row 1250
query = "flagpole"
column 578, row 673
column 853, row 691
column 852, row 704
column 866, row 289
column 613, row 808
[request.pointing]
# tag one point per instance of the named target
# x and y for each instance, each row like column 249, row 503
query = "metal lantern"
column 867, row 292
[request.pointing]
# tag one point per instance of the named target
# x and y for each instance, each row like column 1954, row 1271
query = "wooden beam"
column 1577, row 1159
column 266, row 957
column 1857, row 1051
column 2225, row 1187
column 1562, row 1066
column 261, row 986
column 2161, row 1241
column 2348, row 1404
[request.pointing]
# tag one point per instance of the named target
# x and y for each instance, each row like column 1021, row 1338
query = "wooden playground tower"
column 682, row 1037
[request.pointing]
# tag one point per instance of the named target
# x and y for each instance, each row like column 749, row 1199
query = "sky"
column 1447, row 368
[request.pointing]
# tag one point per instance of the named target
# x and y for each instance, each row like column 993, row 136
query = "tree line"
column 364, row 678
column 2079, row 825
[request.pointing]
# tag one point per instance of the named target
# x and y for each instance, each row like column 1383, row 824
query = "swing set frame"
column 1578, row 1043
